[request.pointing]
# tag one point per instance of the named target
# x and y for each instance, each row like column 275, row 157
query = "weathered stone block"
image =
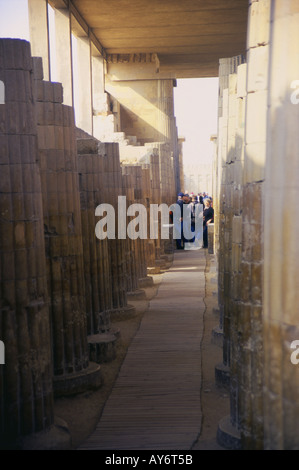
column 241, row 80
column 236, row 257
column 258, row 23
column 245, row 269
column 254, row 163
column 237, row 229
column 37, row 64
column 256, row 117
column 256, row 282
column 258, row 69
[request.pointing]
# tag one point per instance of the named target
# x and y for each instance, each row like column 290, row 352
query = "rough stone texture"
column 26, row 393
column 63, row 239
column 91, row 155
column 257, row 267
column 281, row 268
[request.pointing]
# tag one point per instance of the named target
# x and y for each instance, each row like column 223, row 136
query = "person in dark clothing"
column 179, row 223
column 200, row 198
column 192, row 206
column 208, row 217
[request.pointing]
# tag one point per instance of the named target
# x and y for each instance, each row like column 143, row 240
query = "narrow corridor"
column 156, row 400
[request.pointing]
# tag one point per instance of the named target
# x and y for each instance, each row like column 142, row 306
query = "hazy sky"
column 196, row 107
column 14, row 19
column 195, row 100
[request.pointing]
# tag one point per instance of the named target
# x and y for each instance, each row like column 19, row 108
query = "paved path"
column 155, row 402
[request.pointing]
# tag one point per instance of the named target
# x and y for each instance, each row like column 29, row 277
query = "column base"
column 145, row 282
column 228, row 436
column 102, row 347
column 57, row 437
column 123, row 313
column 160, row 263
column 222, row 375
column 153, row 270
column 78, row 382
column 168, row 257
column 137, row 294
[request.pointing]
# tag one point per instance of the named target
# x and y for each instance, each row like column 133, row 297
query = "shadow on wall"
column 144, row 95
column 258, row 250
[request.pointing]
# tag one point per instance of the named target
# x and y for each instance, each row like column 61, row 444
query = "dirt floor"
column 82, row 412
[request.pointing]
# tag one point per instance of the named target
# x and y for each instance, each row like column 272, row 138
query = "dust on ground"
column 83, row 411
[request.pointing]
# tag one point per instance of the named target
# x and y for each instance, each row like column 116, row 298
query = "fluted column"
column 63, row 233
column 26, row 391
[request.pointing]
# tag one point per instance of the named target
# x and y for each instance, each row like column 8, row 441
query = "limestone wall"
column 256, row 161
column 281, row 266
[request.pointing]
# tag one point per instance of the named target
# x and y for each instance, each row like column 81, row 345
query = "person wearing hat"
column 186, row 198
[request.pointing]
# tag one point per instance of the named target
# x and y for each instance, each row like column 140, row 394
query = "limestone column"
column 117, row 248
column 227, row 176
column 136, row 184
column 39, row 32
column 98, row 286
column 231, row 149
column 220, row 202
column 73, row 372
column 251, row 375
column 246, row 339
column 281, row 252
column 64, row 54
column 222, row 370
column 96, row 260
column 26, row 391
column 166, row 128
column 131, row 175
column 83, row 90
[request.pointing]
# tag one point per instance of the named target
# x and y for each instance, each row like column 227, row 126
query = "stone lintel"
column 133, row 70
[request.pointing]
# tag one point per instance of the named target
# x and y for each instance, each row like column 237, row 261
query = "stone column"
column 91, row 154
column 221, row 201
column 136, row 182
column 98, row 287
column 250, row 409
column 100, row 105
column 246, row 339
column 231, row 142
column 166, row 125
column 281, row 225
column 117, row 247
column 26, row 391
column 39, row 33
column 83, row 91
column 63, row 233
column 131, row 175
column 64, row 54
